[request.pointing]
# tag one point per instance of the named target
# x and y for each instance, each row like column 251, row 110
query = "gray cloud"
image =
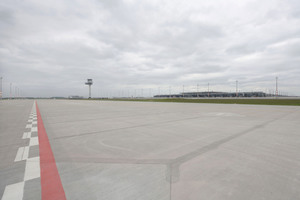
column 51, row 48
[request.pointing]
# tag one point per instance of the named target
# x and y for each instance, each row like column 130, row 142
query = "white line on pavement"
column 24, row 135
column 28, row 135
column 34, row 129
column 25, row 153
column 34, row 141
column 19, row 154
column 14, row 191
column 32, row 169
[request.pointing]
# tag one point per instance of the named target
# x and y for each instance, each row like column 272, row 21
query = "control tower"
column 89, row 83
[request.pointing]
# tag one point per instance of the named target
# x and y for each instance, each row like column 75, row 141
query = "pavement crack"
column 123, row 128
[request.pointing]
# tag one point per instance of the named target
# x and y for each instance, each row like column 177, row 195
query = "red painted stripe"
column 50, row 181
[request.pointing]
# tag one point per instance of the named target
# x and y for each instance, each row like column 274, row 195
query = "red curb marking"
column 50, row 181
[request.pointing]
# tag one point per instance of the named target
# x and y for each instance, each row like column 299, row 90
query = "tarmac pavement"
column 160, row 151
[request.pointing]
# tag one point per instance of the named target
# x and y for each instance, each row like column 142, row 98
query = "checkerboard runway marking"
column 32, row 168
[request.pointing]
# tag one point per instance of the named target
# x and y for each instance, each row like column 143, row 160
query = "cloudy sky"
column 143, row 47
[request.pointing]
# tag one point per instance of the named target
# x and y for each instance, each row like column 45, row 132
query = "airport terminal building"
column 213, row 94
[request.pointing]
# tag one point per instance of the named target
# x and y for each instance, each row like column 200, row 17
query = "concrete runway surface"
column 116, row 150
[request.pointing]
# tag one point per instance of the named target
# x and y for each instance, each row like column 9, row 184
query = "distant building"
column 75, row 97
column 213, row 94
column 57, row 97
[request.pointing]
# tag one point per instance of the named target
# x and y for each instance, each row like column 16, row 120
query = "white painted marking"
column 19, row 154
column 29, row 135
column 14, row 191
column 25, row 153
column 34, row 141
column 32, row 169
column 28, row 125
column 24, row 135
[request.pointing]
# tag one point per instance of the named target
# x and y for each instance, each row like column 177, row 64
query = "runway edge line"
column 50, row 180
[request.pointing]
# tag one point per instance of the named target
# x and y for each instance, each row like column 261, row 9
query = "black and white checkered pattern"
column 32, row 168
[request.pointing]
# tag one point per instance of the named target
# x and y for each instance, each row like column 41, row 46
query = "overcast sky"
column 135, row 47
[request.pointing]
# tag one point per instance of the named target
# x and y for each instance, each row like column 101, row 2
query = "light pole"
column 276, row 86
column 197, row 90
column 236, row 88
column 1, row 88
column 10, row 90
column 208, row 89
